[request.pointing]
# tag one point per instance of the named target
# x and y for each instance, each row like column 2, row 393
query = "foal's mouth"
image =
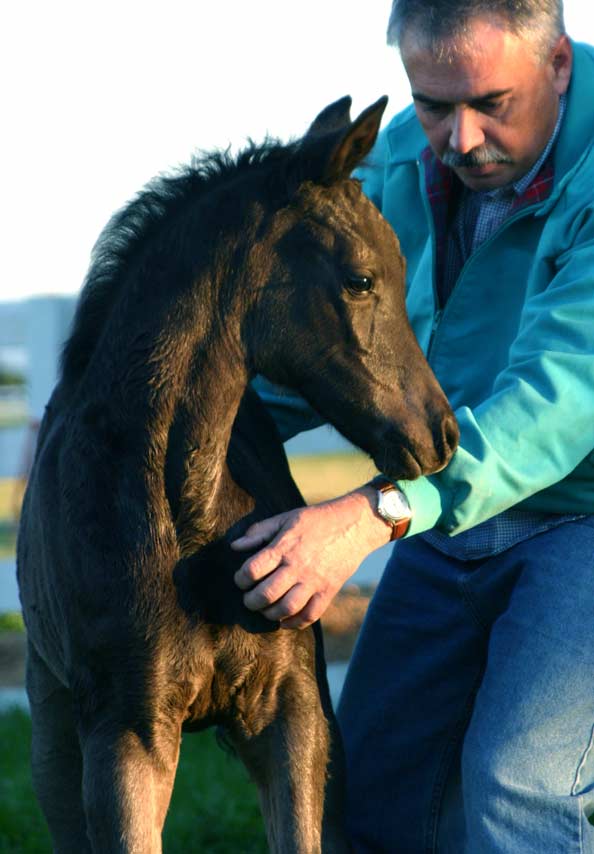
column 403, row 465
column 399, row 459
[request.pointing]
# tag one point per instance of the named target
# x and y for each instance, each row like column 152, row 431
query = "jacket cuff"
column 427, row 504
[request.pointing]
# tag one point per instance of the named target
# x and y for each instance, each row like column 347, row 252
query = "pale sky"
column 98, row 97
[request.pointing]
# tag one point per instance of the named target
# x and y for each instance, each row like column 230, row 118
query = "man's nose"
column 466, row 132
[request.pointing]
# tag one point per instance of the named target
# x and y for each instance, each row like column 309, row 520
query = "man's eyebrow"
column 488, row 96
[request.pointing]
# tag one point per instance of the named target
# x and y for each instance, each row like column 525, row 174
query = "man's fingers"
column 257, row 567
column 290, row 604
column 270, row 591
column 259, row 533
column 312, row 611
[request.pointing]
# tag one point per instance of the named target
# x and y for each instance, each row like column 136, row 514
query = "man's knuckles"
column 260, row 565
column 257, row 600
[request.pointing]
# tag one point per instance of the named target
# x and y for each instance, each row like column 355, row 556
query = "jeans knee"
column 510, row 762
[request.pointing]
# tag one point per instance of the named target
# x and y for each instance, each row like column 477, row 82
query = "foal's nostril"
column 450, row 435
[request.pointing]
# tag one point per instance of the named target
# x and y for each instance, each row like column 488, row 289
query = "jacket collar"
column 577, row 131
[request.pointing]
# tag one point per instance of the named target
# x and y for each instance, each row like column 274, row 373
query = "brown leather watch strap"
column 400, row 528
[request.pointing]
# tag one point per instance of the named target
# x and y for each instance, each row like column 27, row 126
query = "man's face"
column 489, row 110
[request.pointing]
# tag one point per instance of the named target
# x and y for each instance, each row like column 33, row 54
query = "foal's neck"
column 169, row 368
column 200, row 424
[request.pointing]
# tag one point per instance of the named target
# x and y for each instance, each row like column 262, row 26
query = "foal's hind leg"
column 56, row 761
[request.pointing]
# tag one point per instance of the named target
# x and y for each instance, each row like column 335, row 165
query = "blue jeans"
column 468, row 709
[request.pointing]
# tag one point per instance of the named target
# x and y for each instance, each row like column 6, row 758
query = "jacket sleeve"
column 538, row 423
column 291, row 413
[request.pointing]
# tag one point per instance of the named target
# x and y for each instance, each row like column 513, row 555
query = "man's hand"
column 311, row 552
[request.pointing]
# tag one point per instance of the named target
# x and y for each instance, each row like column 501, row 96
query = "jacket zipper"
column 439, row 311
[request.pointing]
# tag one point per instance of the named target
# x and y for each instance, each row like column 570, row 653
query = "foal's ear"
column 334, row 145
column 336, row 116
column 355, row 143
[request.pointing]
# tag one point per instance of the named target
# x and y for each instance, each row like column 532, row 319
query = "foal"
column 154, row 455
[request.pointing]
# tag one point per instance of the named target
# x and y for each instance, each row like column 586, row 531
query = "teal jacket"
column 514, row 346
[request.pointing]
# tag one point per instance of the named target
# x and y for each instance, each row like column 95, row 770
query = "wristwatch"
column 392, row 506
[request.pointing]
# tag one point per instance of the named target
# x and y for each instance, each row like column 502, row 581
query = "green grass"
column 11, row 621
column 214, row 807
column 21, row 826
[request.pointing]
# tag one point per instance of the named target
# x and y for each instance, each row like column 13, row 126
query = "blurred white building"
column 32, row 333
column 47, row 324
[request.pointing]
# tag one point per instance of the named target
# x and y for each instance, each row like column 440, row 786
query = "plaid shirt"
column 463, row 220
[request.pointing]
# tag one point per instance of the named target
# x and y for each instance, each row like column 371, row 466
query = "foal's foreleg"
column 289, row 760
column 127, row 783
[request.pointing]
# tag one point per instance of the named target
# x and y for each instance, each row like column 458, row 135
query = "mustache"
column 476, row 157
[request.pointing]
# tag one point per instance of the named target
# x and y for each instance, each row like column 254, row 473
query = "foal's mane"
column 136, row 224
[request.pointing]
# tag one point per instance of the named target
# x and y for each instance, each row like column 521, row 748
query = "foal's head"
column 330, row 319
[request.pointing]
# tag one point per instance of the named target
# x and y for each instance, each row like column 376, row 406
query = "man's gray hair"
column 440, row 22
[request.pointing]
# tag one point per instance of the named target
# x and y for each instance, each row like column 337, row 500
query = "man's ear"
column 562, row 62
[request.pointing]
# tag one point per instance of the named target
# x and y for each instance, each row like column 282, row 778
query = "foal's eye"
column 359, row 284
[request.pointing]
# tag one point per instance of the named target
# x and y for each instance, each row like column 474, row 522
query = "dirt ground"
column 341, row 624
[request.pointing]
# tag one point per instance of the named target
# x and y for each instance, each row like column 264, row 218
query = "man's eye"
column 359, row 284
column 488, row 106
column 435, row 109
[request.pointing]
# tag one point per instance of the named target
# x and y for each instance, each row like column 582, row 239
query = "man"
column 468, row 711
